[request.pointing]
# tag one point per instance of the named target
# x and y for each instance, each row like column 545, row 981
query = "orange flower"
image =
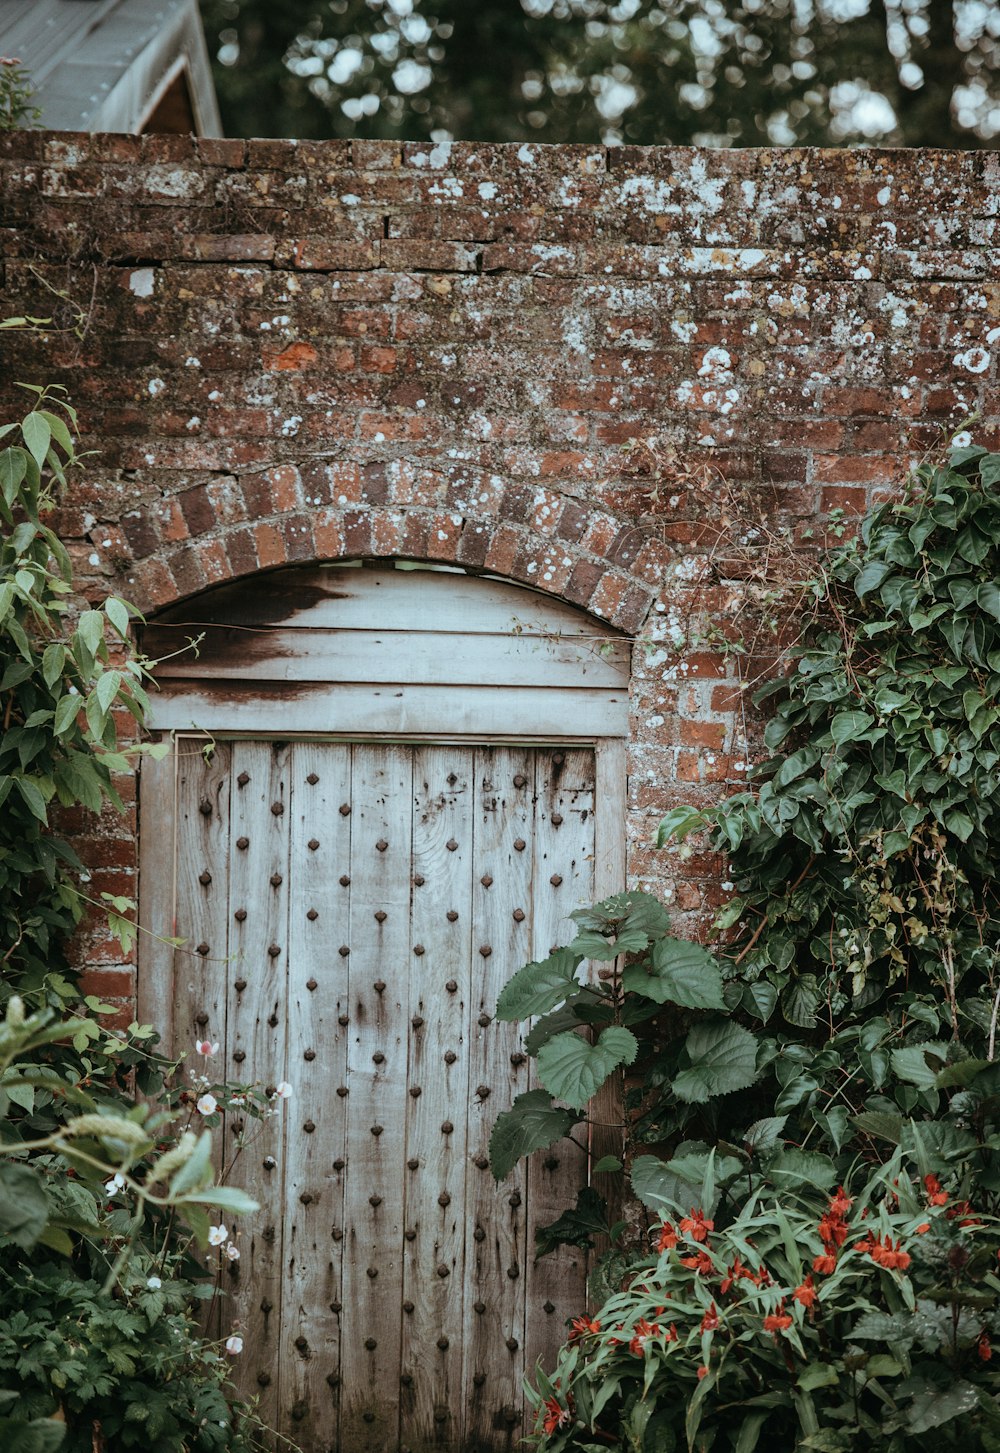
column 702, row 1263
column 840, row 1204
column 702, row 1372
column 886, row 1254
column 697, row 1226
column 671, row 1336
column 923, row 1227
column 935, row 1194
column 555, row 1416
column 643, row 1331
column 734, row 1274
column 806, row 1293
column 668, row 1237
column 583, row 1327
column 710, row 1320
column 825, row 1265
column 779, row 1320
column 983, row 1347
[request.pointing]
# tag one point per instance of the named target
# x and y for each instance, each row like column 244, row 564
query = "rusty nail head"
column 514, row 1199
column 512, row 1344
column 205, row 878
column 443, row 1344
column 451, row 986
column 451, row 845
column 519, row 845
column 341, row 1090
column 377, row 1129
column 313, row 844
column 312, row 915
column 443, row 1200
column 202, row 949
column 239, row 985
column 243, row 779
column 205, row 807
column 312, row 779
column 415, row 1092
column 450, row 1057
column 483, row 1091
column 520, row 780
column 380, row 915
column 451, row 916
column 413, row 1163
column 269, row 1162
column 418, row 878
column 311, row 985
column 276, row 880
column 339, row 1164
column 379, row 986
column 485, row 950
column 370, row 1344
column 344, row 880
column 344, row 950
column 309, row 1054
column 309, row 1127
column 374, row 1200
column 343, row 1019
column 548, row 1307
column 407, row 1306
column 264, row 1379
column 479, row 1307
column 336, row 1233
column 277, row 808
column 481, row 1161
column 556, row 879
column 239, row 1056
column 373, row 1272
column 381, row 845
column 517, row 1059
column 306, row 1198
column 345, row 809
column 242, row 843
column 484, row 1020
column 417, row 1021
column 447, row 1127
column 486, row 880
column 240, row 915
column 410, row 1235
column 335, row 1308
column 514, row 1272
column 201, row 1018
column 419, row 950
column 301, row 1343
column 518, row 915
column 378, row 1057
column 273, row 950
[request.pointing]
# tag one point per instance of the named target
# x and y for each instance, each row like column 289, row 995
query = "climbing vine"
column 850, row 1190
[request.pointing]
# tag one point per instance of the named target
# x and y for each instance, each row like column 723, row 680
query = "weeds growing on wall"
column 819, row 1146
column 103, row 1198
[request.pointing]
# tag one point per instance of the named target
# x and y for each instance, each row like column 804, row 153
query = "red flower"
column 923, row 1227
column 556, row 1416
column 583, row 1327
column 734, row 1274
column 696, row 1226
column 840, row 1204
column 832, row 1232
column 702, row 1263
column 886, row 1254
column 935, row 1194
column 983, row 1347
column 962, row 1210
column 671, row 1336
column 643, row 1331
column 702, row 1372
column 806, row 1293
column 825, row 1265
column 779, row 1320
column 668, row 1237
column 710, row 1320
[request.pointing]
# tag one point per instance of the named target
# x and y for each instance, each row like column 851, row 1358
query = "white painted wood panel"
column 377, row 1082
column 563, row 882
column 316, row 1117
column 496, row 1245
column 392, row 710
column 255, row 1044
column 344, row 598
column 441, row 967
column 464, row 659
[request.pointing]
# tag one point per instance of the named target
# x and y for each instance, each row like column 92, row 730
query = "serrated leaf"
column 911, row 1063
column 794, row 1167
column 575, row 1227
column 538, row 987
column 800, row 1001
column 636, row 911
column 936, row 1406
column 723, row 1059
column 683, row 973
column 550, row 1024
column 763, row 1135
column 532, row 1123
column 573, row 1069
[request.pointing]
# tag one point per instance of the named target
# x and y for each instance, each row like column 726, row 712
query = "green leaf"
column 196, row 1172
column 657, row 1186
column 800, row 1001
column 576, row 1227
column 723, row 1059
column 763, row 1135
column 678, row 823
column 37, row 436
column 801, row 1168
column 573, row 1069
column 870, row 577
column 539, row 987
column 66, row 713
column 550, row 1024
column 880, row 1124
column 911, row 1064
column 939, row 1405
column 847, row 725
column 816, row 1375
column 117, row 613
column 227, row 1198
column 683, row 973
column 24, row 1209
column 608, row 1164
column 90, row 630
column 637, row 912
column 532, row 1123
column 32, row 797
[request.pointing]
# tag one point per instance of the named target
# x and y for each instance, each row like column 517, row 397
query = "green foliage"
column 859, row 978
column 17, row 109
column 828, row 1324
column 641, row 71
column 103, row 1196
column 64, row 679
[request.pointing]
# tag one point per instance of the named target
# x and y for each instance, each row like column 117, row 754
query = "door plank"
column 440, row 989
column 390, row 709
column 495, row 1239
column 564, row 878
column 158, row 892
column 316, row 1130
column 375, row 1173
column 458, row 658
column 256, row 1030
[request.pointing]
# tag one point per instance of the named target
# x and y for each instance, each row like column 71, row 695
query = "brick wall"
column 307, row 351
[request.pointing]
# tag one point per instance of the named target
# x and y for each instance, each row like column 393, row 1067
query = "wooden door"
column 351, row 911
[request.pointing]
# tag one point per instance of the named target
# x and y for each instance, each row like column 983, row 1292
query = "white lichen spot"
column 883, row 196
column 214, row 396
column 192, row 362
column 717, row 364
column 526, row 154
column 155, row 386
column 142, row 281
column 976, row 360
column 193, row 423
column 94, row 558
column 291, row 426
column 487, row 190
column 350, row 200
column 683, row 330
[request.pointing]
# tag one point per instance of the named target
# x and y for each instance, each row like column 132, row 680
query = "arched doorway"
column 387, row 789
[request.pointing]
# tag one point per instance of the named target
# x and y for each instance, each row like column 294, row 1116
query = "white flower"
column 217, row 1235
column 116, row 1183
column 234, row 1345
column 206, row 1048
column 283, row 1091
column 154, row 1283
column 233, row 1252
column 208, row 1105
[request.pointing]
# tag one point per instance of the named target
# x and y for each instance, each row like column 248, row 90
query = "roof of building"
column 114, row 65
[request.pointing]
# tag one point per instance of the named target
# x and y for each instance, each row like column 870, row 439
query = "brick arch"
column 214, row 533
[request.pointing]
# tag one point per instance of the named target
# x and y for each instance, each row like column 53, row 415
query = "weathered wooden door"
column 351, row 909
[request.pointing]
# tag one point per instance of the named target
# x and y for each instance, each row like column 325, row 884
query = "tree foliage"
column 704, row 72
